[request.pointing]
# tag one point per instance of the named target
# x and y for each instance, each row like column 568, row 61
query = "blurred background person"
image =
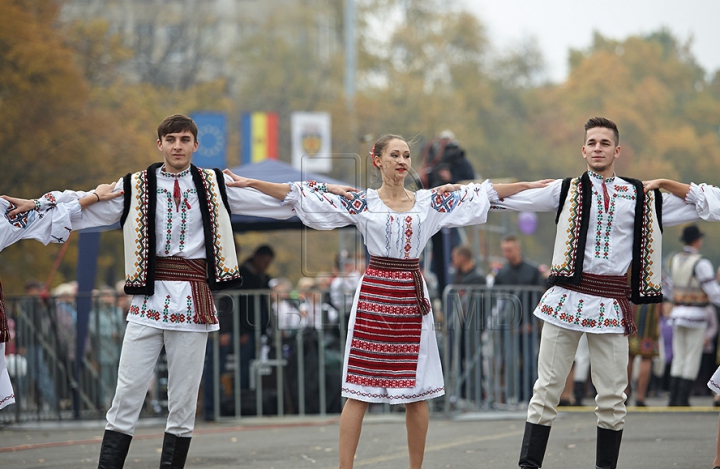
column 63, row 297
column 694, row 290
column 517, row 271
column 444, row 162
column 40, row 318
column 106, row 328
column 645, row 343
column 255, row 277
column 343, row 286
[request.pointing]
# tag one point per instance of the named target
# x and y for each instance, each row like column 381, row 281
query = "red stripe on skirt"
column 385, row 340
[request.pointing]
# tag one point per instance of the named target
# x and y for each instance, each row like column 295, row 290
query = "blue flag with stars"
column 212, row 135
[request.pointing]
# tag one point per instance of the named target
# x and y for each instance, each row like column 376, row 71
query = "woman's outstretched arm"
column 679, row 189
column 506, row 190
column 278, row 190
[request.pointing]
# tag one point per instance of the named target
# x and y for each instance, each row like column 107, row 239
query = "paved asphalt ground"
column 655, row 437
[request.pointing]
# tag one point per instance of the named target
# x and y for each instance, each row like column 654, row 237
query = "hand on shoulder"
column 19, row 205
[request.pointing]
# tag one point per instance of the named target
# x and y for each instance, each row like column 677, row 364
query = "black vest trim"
column 586, row 190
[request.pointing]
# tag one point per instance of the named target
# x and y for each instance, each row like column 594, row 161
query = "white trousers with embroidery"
column 185, row 353
column 687, row 345
column 608, row 370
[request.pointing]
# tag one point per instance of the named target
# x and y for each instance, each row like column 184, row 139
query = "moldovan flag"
column 259, row 132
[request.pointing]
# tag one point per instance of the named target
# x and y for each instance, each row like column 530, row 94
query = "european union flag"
column 212, row 135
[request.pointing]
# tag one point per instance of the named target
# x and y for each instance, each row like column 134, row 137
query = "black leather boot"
column 174, row 451
column 114, row 450
column 607, row 448
column 674, row 391
column 684, row 391
column 534, row 444
column 578, row 392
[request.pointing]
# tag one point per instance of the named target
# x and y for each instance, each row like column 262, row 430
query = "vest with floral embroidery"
column 573, row 220
column 138, row 224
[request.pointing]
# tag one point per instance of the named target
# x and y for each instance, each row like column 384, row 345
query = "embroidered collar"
column 599, row 178
column 173, row 175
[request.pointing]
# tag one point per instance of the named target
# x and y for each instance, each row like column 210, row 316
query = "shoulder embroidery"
column 357, row 203
column 445, row 203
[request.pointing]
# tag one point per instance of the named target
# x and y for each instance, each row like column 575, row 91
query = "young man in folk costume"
column 48, row 222
column 605, row 224
column 179, row 246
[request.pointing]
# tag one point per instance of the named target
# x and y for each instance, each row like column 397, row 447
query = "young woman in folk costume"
column 43, row 220
column 391, row 354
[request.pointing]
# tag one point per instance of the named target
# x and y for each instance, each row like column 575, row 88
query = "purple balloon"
column 527, row 222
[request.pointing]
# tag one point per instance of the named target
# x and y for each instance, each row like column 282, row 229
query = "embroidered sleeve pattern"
column 46, row 202
column 469, row 205
column 21, row 220
column 316, row 186
column 325, row 211
column 446, row 202
column 356, row 204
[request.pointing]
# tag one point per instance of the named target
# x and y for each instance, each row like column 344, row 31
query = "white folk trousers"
column 687, row 351
column 608, row 370
column 185, row 353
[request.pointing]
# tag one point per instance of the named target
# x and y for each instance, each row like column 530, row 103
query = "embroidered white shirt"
column 608, row 249
column 387, row 233
column 50, row 224
column 179, row 232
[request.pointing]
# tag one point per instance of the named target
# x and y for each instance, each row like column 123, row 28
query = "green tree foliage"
column 667, row 110
column 71, row 117
column 68, row 121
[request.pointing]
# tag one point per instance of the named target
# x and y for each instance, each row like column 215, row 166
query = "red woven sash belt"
column 405, row 265
column 194, row 271
column 610, row 286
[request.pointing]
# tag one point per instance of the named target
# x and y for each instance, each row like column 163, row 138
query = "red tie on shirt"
column 176, row 196
column 606, row 197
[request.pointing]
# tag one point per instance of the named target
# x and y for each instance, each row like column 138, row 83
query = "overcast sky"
column 559, row 25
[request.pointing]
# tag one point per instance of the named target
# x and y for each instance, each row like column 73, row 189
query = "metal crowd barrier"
column 256, row 366
column 274, row 368
column 49, row 382
column 490, row 340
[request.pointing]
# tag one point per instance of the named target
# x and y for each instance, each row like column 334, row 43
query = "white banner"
column 311, row 141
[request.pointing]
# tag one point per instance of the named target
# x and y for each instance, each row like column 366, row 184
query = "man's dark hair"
column 510, row 238
column 264, row 250
column 175, row 124
column 464, row 251
column 605, row 123
column 33, row 284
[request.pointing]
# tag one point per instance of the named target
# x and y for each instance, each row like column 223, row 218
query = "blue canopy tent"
column 273, row 171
